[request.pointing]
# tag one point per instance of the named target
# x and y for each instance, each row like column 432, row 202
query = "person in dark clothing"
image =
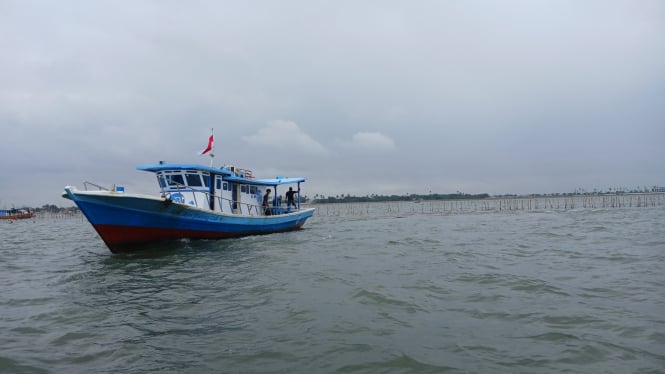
column 289, row 197
column 266, row 203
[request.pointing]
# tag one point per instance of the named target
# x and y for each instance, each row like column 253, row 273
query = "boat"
column 194, row 202
column 13, row 214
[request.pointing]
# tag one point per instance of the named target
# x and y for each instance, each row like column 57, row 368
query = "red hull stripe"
column 121, row 237
column 18, row 216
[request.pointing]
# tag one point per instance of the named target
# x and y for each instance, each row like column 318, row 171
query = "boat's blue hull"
column 126, row 222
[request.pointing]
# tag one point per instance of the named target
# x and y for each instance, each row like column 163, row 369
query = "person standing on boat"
column 266, row 203
column 289, row 197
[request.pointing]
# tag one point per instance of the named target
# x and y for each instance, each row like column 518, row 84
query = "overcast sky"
column 360, row 97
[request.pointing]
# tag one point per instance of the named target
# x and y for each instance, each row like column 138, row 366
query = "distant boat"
column 194, row 202
column 12, row 214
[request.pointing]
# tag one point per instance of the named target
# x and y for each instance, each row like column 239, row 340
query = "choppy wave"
column 527, row 291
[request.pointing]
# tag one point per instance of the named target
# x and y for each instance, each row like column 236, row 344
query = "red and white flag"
column 209, row 147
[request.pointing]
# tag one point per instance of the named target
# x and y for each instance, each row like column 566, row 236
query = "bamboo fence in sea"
column 59, row 215
column 494, row 204
column 540, row 203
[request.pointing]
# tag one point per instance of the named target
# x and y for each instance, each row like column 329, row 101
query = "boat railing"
column 258, row 209
column 99, row 188
column 231, row 203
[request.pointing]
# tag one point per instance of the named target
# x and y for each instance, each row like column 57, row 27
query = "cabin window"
column 162, row 181
column 175, row 180
column 194, row 180
column 252, row 190
column 226, row 186
column 206, row 179
column 244, row 189
column 218, row 183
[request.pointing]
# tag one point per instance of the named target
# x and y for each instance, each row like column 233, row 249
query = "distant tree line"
column 50, row 208
column 322, row 199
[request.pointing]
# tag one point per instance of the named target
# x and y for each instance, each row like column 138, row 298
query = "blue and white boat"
column 194, row 202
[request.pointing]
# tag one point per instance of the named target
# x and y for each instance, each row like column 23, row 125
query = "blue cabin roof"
column 162, row 166
column 264, row 182
column 227, row 174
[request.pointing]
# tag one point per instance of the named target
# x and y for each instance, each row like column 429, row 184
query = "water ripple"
column 543, row 291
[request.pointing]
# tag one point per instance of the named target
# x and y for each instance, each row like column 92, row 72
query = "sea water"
column 357, row 291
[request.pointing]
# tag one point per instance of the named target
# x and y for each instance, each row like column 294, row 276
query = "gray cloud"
column 388, row 97
column 284, row 135
column 370, row 142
